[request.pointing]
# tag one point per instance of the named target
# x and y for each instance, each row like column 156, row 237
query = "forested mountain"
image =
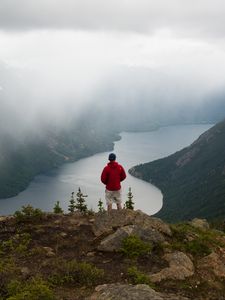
column 21, row 160
column 28, row 149
column 192, row 180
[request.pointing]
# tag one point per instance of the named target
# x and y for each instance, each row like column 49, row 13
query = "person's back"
column 111, row 176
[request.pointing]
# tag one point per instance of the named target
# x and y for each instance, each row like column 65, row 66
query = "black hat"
column 112, row 156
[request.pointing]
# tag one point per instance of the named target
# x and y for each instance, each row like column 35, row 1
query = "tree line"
column 78, row 203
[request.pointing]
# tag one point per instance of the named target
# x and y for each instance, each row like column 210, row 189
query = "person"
column 112, row 175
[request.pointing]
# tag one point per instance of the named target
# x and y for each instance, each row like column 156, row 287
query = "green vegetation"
column 100, row 206
column 137, row 277
column 76, row 273
column 57, row 208
column 129, row 204
column 14, row 287
column 22, row 161
column 195, row 241
column 27, row 213
column 72, row 206
column 18, row 244
column 80, row 203
column 58, row 257
column 133, row 247
column 35, row 289
column 192, row 180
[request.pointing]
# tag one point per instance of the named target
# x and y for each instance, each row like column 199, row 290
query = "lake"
column 133, row 148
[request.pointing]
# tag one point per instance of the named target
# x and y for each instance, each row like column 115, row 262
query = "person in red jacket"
column 111, row 176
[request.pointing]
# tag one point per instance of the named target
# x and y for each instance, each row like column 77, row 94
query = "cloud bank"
column 60, row 57
column 202, row 17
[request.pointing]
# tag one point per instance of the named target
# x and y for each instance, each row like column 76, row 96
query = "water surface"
column 132, row 149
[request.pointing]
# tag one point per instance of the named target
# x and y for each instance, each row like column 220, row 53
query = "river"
column 133, row 148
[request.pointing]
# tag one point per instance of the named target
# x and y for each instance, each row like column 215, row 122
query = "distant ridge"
column 192, row 180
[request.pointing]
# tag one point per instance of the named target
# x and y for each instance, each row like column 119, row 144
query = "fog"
column 137, row 60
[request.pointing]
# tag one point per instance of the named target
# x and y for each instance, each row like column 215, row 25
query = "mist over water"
column 132, row 149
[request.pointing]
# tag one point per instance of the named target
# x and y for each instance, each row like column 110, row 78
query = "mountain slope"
column 123, row 254
column 192, row 180
column 21, row 161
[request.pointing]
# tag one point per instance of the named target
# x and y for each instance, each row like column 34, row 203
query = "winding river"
column 133, row 148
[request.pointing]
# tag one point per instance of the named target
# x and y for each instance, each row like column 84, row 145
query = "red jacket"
column 112, row 175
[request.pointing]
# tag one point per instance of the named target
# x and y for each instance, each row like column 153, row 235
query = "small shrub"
column 35, row 289
column 137, row 277
column 76, row 273
column 198, row 242
column 18, row 244
column 197, row 248
column 27, row 213
column 133, row 247
column 8, row 272
column 181, row 230
column 90, row 212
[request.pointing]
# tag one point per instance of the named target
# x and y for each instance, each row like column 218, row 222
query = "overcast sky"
column 57, row 54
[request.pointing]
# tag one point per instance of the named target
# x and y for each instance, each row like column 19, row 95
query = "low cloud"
column 61, row 58
column 201, row 18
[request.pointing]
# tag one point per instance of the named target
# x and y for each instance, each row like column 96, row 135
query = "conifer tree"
column 100, row 206
column 57, row 209
column 72, row 205
column 129, row 204
column 80, row 203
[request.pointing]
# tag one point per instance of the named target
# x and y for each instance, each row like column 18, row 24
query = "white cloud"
column 61, row 54
column 193, row 18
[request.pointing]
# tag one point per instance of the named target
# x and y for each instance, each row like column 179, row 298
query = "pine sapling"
column 100, row 206
column 57, row 209
column 129, row 204
column 72, row 205
column 81, row 205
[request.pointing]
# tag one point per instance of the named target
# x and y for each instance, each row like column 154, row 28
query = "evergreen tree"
column 129, row 204
column 57, row 209
column 100, row 206
column 80, row 205
column 72, row 205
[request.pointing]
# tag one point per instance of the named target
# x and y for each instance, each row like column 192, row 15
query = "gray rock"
column 200, row 223
column 6, row 218
column 214, row 263
column 106, row 223
column 49, row 251
column 129, row 292
column 25, row 272
column 180, row 267
column 113, row 242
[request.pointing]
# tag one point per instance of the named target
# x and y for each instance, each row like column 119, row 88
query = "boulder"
column 200, row 223
column 106, row 222
column 180, row 267
column 130, row 292
column 213, row 263
column 113, row 242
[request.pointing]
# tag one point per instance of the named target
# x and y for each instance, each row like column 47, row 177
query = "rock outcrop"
column 129, row 292
column 180, row 267
column 84, row 256
column 200, row 223
column 213, row 264
column 113, row 242
column 106, row 223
